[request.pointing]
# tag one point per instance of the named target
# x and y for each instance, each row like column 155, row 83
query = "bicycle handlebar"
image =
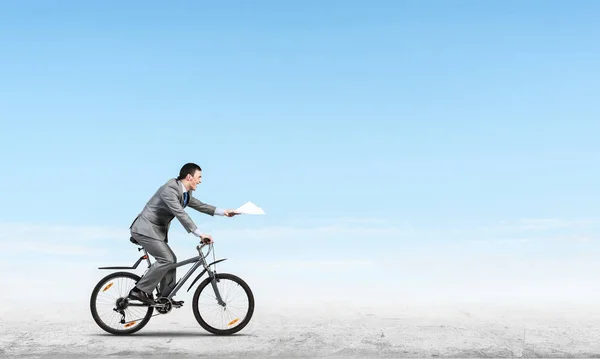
column 201, row 245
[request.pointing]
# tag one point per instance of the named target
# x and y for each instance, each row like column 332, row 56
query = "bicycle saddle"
column 134, row 241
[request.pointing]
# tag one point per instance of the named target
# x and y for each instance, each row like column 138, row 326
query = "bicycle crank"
column 163, row 305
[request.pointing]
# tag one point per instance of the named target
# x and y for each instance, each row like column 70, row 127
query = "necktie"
column 185, row 198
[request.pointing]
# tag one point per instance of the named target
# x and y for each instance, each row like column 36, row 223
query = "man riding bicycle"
column 151, row 226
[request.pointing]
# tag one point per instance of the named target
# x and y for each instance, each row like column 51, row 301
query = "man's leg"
column 167, row 284
column 160, row 270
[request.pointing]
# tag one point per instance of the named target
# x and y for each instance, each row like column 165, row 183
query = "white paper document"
column 250, row 208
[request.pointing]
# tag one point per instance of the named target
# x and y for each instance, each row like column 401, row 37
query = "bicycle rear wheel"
column 237, row 312
column 109, row 304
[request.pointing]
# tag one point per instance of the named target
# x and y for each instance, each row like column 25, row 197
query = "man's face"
column 195, row 180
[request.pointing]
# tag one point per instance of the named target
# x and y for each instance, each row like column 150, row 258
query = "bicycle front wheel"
column 228, row 319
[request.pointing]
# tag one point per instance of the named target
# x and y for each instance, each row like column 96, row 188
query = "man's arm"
column 169, row 196
column 204, row 207
column 210, row 209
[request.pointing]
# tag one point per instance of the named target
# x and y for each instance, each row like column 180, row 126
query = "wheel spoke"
column 239, row 305
column 110, row 294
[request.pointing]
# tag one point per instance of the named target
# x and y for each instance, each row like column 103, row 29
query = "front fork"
column 213, row 282
column 212, row 276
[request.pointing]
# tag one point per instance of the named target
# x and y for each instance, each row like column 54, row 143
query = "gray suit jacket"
column 167, row 203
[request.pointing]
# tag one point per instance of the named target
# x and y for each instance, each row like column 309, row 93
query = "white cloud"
column 540, row 224
column 498, row 266
column 543, row 223
column 50, row 248
column 320, row 265
column 348, row 220
column 299, row 232
column 49, row 233
column 97, row 240
column 62, row 261
column 20, row 231
column 539, row 239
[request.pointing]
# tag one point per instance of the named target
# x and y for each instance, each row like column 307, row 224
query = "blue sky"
column 384, row 131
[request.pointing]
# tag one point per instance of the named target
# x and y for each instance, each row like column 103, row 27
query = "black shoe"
column 143, row 297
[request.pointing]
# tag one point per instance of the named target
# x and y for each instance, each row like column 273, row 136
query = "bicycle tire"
column 235, row 329
column 93, row 309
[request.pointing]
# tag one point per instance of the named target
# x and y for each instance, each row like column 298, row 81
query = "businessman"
column 151, row 226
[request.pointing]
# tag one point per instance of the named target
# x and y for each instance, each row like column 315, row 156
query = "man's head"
column 190, row 175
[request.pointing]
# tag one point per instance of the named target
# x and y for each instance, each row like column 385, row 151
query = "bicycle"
column 121, row 304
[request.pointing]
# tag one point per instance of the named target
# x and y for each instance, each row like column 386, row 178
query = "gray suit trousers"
column 162, row 270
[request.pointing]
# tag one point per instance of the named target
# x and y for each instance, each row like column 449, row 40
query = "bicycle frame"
column 198, row 261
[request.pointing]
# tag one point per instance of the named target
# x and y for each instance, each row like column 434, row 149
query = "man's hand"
column 230, row 213
column 206, row 238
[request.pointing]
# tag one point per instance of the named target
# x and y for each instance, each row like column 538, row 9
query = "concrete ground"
column 328, row 331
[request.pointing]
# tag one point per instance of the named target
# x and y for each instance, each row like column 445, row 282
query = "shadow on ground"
column 172, row 334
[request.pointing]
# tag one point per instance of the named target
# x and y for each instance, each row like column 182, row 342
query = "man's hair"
column 188, row 169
